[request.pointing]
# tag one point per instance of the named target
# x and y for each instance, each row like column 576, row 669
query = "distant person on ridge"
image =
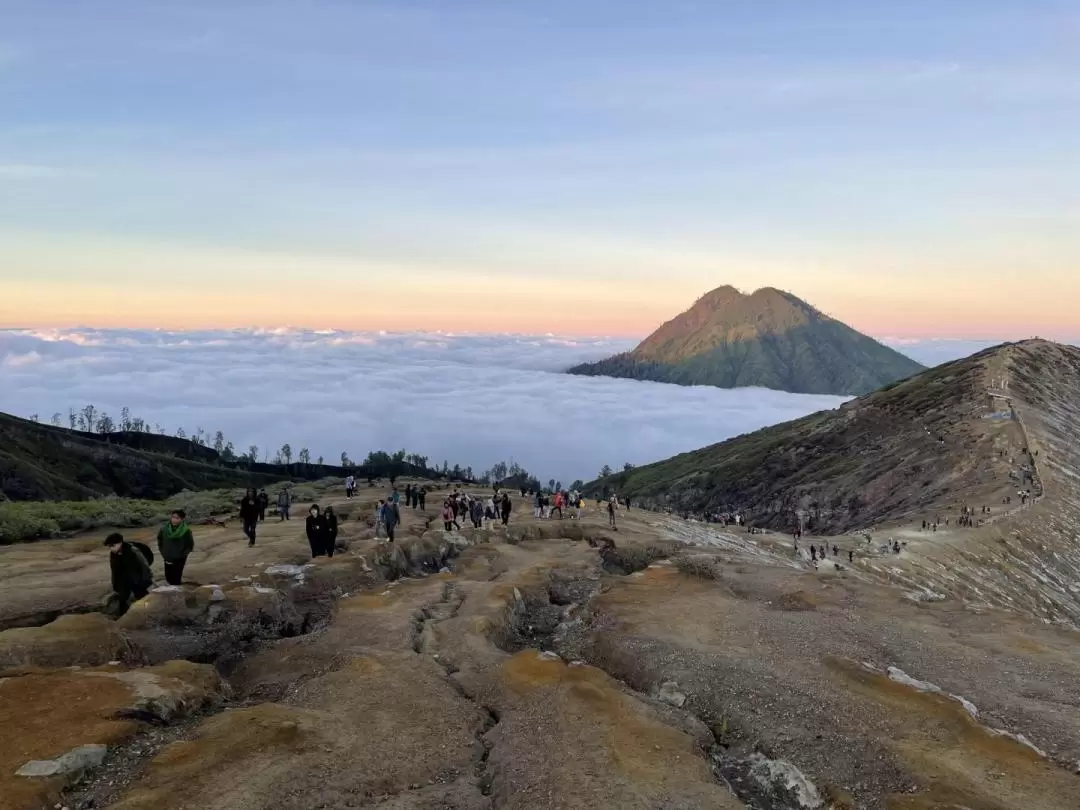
column 331, row 533
column 130, row 569
column 249, row 514
column 315, row 526
column 175, row 542
column 284, row 501
column 264, row 502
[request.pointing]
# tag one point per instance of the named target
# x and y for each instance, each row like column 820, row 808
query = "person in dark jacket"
column 330, row 534
column 422, row 497
column 175, row 542
column 131, row 574
column 249, row 514
column 264, row 502
column 391, row 518
column 505, row 508
column 316, row 531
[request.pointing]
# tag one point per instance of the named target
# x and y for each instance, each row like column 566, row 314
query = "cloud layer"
column 470, row 399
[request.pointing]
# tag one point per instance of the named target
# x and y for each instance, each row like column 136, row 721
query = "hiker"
column 175, row 543
column 580, row 506
column 538, row 505
column 330, row 535
column 423, row 495
column 850, row 556
column 284, row 501
column 391, row 517
column 379, row 517
column 350, row 485
column 249, row 514
column 476, row 512
column 264, row 502
column 408, row 494
column 835, row 550
column 611, row 512
column 505, row 508
column 489, row 508
column 813, row 553
column 558, row 504
column 315, row 525
column 130, row 569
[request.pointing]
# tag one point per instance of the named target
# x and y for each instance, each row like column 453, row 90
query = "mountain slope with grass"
column 770, row 339
column 931, row 443
column 42, row 462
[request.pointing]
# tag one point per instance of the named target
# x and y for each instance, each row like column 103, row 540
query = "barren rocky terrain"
column 555, row 664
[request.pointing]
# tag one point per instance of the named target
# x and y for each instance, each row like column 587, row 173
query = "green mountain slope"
column 41, row 462
column 770, row 339
column 935, row 441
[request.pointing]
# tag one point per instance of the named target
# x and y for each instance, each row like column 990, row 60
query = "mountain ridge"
column 769, row 338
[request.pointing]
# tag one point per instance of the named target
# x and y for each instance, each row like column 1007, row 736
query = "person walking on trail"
column 477, row 513
column 264, row 502
column 408, row 494
column 505, row 508
column 391, row 518
column 249, row 514
column 850, row 556
column 379, row 517
column 558, row 504
column 331, row 533
column 611, row 512
column 580, row 506
column 130, row 569
column 421, row 497
column 447, row 516
column 538, row 505
column 175, row 542
column 284, row 501
column 350, row 485
column 315, row 526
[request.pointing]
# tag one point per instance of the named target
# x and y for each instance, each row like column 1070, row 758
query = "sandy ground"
column 542, row 672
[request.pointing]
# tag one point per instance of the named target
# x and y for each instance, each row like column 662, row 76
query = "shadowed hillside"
column 41, row 462
column 935, row 441
column 770, row 339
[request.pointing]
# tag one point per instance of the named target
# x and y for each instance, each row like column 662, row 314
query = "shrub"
column 700, row 566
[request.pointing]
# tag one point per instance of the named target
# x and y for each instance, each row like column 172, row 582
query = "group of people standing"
column 322, row 531
column 462, row 506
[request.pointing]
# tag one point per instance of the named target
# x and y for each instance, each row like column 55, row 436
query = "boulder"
column 206, row 606
column 88, row 639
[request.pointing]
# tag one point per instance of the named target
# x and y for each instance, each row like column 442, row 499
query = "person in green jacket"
column 175, row 543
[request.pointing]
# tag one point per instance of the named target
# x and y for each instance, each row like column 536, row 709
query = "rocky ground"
column 554, row 665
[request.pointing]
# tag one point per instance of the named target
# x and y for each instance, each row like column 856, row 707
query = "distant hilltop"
column 769, row 338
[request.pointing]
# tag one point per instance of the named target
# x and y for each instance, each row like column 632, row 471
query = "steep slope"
column 41, row 462
column 920, row 447
column 770, row 339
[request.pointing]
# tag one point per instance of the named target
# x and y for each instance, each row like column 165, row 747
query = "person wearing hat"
column 130, row 568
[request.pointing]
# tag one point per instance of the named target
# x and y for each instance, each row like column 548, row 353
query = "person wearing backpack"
column 175, row 542
column 130, row 569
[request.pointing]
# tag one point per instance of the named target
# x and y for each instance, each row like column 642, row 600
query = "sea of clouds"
column 469, row 399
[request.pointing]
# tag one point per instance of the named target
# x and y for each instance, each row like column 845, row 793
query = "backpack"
column 145, row 551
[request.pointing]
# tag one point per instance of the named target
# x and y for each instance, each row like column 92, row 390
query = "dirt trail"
column 545, row 671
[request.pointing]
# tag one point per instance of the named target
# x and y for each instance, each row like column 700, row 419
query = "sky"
column 575, row 168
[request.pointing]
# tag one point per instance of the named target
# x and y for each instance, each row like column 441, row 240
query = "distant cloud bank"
column 467, row 398
column 470, row 399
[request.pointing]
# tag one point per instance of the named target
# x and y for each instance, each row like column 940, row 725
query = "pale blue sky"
column 875, row 158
